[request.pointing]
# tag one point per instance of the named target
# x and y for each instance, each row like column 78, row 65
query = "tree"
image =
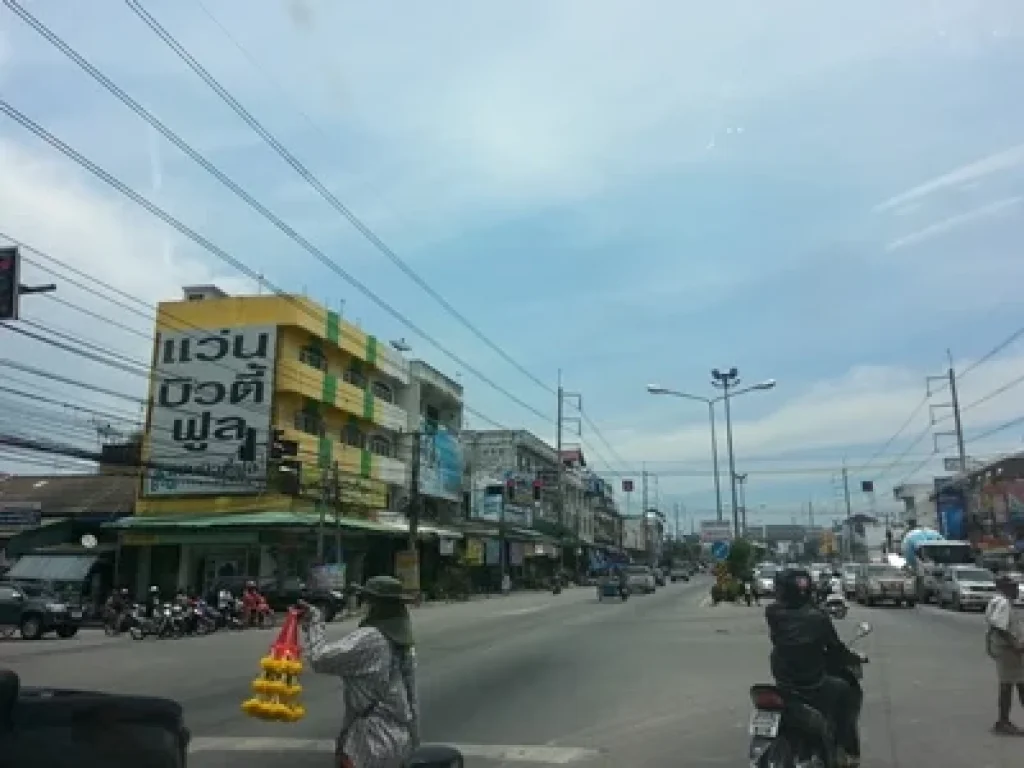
column 740, row 559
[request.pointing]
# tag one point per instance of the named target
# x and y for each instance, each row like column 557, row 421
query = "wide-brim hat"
column 385, row 589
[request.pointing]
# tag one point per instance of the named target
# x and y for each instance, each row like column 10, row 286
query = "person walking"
column 1005, row 641
column 377, row 667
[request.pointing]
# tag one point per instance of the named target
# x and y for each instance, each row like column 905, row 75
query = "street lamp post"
column 656, row 389
column 724, row 381
column 742, row 480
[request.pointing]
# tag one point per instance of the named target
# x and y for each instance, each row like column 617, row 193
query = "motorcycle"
column 835, row 605
column 787, row 731
column 229, row 614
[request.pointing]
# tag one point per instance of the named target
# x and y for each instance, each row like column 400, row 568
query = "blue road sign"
column 720, row 550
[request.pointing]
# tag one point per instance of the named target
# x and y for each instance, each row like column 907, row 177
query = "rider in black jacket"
column 804, row 645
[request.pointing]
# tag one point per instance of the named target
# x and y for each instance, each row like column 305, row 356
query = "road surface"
column 536, row 678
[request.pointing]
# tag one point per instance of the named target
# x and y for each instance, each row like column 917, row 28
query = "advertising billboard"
column 715, row 530
column 211, row 396
column 441, row 463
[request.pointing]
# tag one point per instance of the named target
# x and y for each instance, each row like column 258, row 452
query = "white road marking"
column 522, row 754
column 523, row 611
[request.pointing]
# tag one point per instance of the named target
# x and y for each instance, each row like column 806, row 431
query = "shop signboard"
column 210, row 412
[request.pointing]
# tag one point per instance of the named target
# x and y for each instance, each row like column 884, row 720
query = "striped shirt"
column 380, row 723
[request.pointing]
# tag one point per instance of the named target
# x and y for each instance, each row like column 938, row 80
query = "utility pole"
column 676, row 510
column 956, row 415
column 336, row 493
column 575, row 399
column 810, row 514
column 954, row 403
column 321, row 525
column 414, row 495
column 643, row 514
column 848, row 538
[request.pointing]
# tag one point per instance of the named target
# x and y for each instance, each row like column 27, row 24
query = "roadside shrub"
column 717, row 594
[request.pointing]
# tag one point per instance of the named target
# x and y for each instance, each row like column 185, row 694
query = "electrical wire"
column 240, row 266
column 290, row 232
column 314, row 182
column 150, row 316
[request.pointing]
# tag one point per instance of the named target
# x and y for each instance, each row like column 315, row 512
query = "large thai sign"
column 210, row 413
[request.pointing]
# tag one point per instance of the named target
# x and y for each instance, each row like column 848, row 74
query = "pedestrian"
column 377, row 667
column 1005, row 641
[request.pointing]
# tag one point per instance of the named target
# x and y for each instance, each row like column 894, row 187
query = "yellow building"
column 232, row 372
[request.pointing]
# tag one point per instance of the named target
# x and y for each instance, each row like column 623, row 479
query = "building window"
column 383, row 391
column 380, row 446
column 353, row 436
column 313, row 357
column 310, row 423
column 355, row 378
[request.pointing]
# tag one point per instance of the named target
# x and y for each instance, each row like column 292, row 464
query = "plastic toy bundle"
column 277, row 688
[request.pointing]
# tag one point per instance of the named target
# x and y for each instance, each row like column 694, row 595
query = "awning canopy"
column 284, row 519
column 52, row 568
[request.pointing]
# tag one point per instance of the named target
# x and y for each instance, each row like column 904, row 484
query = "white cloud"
column 858, row 413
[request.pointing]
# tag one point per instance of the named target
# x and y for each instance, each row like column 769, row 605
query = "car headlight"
column 337, row 594
column 56, row 607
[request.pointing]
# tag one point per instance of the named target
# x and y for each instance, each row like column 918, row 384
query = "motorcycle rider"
column 804, row 642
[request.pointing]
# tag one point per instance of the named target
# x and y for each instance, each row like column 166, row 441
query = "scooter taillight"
column 766, row 697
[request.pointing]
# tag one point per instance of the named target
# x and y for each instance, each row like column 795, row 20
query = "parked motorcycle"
column 787, row 731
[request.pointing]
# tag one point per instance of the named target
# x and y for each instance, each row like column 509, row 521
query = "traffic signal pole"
column 11, row 287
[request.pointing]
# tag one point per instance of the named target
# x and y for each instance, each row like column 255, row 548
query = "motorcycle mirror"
column 863, row 629
column 436, row 756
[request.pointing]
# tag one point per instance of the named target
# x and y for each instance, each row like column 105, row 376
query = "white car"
column 764, row 581
column 639, row 578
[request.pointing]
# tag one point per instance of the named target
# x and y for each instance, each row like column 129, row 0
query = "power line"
column 260, row 208
column 308, row 176
column 992, row 352
column 220, row 253
column 147, row 314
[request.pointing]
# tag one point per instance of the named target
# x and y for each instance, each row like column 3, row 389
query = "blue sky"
column 826, row 194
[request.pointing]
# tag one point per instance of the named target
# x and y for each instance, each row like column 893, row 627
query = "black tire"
column 330, row 612
column 32, row 627
column 66, row 631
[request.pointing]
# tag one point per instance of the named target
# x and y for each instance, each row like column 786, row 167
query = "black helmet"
column 793, row 587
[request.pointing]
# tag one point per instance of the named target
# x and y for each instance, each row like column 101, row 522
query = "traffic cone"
column 277, row 687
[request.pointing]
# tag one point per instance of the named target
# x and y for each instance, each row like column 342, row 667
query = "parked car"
column 880, row 582
column 680, row 574
column 281, row 595
column 35, row 613
column 640, row 579
column 966, row 587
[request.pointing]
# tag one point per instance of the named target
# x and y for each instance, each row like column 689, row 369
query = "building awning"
column 52, row 568
column 286, row 519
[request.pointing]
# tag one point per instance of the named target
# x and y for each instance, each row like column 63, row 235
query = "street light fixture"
column 657, row 389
